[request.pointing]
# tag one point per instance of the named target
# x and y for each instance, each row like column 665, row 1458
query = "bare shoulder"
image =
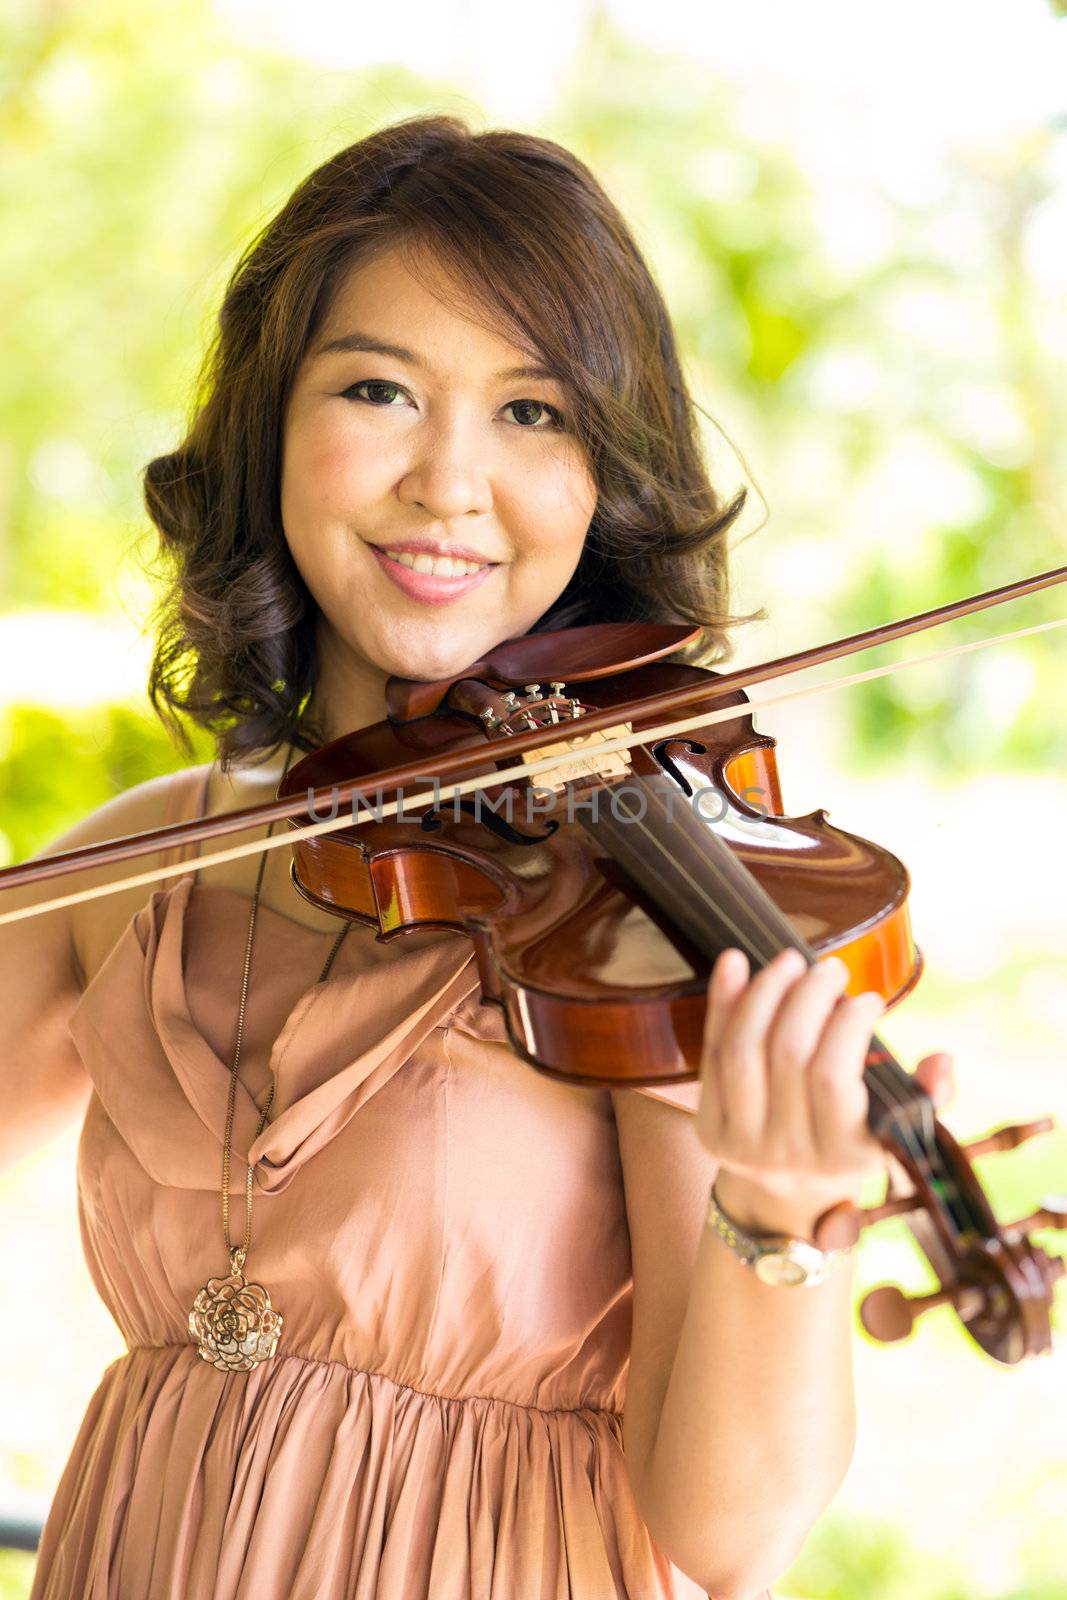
column 96, row 924
column 255, row 785
column 49, row 942
column 91, row 928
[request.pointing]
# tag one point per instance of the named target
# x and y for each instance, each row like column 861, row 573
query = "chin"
column 428, row 660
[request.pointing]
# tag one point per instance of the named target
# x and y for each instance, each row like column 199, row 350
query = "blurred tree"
column 105, row 752
column 925, row 387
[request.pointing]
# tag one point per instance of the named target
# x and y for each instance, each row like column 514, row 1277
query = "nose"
column 446, row 475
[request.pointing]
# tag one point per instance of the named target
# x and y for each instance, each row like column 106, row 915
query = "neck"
column 349, row 692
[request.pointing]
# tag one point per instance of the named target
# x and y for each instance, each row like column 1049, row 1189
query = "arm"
column 738, row 1424
column 44, row 1087
column 756, row 1427
column 739, row 1421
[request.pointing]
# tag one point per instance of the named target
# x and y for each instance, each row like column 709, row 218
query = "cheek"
column 555, row 510
column 321, row 471
column 316, row 508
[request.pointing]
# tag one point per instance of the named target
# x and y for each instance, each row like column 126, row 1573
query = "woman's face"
column 428, row 449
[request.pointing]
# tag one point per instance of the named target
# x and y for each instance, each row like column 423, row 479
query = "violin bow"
column 618, row 735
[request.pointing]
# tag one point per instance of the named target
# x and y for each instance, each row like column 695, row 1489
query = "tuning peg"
column 511, row 700
column 1052, row 1214
column 842, row 1225
column 1008, row 1137
column 889, row 1315
column 532, row 690
column 557, row 687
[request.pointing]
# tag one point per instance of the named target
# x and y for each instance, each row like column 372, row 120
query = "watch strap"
column 803, row 1263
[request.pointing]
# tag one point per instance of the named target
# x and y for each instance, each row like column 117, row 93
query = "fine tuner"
column 500, row 714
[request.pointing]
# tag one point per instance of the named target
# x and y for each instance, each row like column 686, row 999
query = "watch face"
column 779, row 1269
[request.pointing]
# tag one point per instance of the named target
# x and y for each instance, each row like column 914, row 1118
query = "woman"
column 444, row 409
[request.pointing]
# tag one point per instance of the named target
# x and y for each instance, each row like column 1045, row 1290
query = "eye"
column 372, row 383
column 556, row 417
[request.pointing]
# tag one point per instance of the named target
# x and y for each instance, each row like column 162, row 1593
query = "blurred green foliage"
column 16, row 1574
column 104, row 751
column 924, row 381
column 140, row 149
column 868, row 1560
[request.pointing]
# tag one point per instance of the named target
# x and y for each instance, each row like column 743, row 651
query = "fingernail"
column 724, row 959
column 790, row 957
column 836, row 967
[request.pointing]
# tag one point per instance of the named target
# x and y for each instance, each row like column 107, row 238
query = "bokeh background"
column 858, row 214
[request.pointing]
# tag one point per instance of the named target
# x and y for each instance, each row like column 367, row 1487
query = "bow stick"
column 461, row 761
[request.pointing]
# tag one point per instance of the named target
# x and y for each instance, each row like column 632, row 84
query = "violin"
column 599, row 861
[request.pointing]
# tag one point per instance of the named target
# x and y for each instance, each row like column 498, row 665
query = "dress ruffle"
column 304, row 1480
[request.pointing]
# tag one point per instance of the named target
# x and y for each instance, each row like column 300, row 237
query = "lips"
column 440, row 566
column 430, row 547
column 427, row 586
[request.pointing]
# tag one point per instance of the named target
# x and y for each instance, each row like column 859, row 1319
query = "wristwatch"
column 775, row 1258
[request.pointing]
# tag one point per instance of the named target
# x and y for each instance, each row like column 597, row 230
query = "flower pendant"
column 232, row 1321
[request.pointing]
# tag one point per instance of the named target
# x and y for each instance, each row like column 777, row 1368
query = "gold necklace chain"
column 232, row 1321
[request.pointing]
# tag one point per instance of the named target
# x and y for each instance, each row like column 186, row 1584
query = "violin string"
column 884, row 1083
column 887, row 1092
column 178, row 833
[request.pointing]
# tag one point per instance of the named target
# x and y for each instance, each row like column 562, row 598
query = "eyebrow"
column 349, row 342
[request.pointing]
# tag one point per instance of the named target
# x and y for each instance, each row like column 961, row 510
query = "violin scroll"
column 997, row 1280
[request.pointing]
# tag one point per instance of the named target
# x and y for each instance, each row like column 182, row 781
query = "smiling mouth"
column 434, row 566
column 432, row 580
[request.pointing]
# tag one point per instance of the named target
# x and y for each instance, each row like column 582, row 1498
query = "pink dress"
column 443, row 1230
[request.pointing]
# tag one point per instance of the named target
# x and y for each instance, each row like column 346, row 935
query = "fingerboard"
column 677, row 859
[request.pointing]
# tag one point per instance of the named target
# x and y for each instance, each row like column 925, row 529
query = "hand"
column 783, row 1103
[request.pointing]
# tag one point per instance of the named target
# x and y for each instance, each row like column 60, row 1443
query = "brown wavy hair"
column 539, row 246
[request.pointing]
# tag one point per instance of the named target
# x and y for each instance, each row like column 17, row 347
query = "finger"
column 794, row 1038
column 729, row 976
column 727, row 983
column 838, row 1092
column 935, row 1073
column 743, row 1046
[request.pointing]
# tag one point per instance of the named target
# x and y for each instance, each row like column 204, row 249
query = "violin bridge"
column 610, row 764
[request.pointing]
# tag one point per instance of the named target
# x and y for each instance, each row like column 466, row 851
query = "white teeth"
column 439, row 566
